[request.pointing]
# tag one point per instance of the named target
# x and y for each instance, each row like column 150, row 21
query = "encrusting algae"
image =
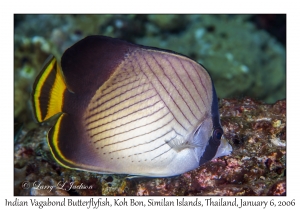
column 255, row 167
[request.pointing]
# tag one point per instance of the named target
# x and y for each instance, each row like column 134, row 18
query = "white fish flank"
column 153, row 101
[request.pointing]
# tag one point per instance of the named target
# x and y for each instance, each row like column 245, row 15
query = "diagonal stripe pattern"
column 151, row 99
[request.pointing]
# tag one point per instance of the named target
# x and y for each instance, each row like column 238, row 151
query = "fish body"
column 129, row 109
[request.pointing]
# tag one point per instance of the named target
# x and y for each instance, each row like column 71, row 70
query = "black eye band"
column 217, row 135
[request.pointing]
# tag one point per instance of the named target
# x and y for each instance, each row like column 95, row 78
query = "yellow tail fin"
column 48, row 91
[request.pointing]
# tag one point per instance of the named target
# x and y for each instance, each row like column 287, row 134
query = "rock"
column 257, row 165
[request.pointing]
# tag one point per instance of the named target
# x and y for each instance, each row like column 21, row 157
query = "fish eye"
column 218, row 132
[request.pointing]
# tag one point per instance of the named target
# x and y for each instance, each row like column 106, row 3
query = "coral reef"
column 257, row 165
column 242, row 59
column 235, row 53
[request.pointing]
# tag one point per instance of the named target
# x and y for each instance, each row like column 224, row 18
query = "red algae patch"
column 257, row 165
